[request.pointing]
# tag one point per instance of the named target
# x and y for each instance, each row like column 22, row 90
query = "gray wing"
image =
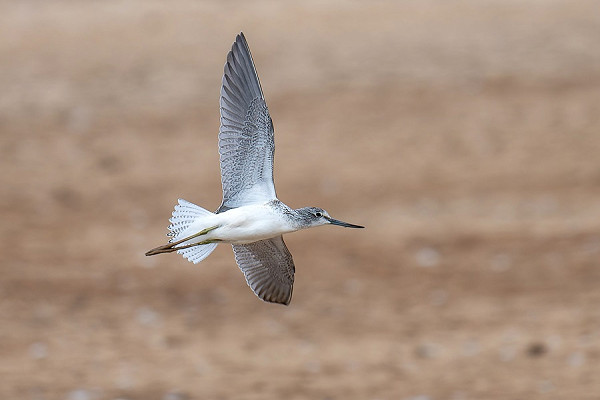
column 268, row 267
column 246, row 144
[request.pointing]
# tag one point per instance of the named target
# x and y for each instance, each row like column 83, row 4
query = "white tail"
column 184, row 215
column 198, row 253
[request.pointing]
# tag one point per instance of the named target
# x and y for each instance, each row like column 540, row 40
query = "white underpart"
column 240, row 225
column 250, row 223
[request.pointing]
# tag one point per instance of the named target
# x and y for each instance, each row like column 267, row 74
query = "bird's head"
column 315, row 216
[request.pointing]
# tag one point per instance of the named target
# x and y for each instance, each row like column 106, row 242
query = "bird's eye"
column 318, row 214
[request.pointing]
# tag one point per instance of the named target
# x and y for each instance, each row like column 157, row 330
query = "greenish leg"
column 197, row 244
column 170, row 247
column 202, row 232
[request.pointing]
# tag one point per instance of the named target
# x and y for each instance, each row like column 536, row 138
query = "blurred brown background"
column 464, row 134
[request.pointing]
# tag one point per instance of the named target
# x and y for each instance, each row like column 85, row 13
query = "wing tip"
column 241, row 39
column 284, row 301
column 266, row 291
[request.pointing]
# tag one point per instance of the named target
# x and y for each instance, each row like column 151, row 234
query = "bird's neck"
column 291, row 215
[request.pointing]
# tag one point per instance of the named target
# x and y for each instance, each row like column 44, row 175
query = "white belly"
column 249, row 224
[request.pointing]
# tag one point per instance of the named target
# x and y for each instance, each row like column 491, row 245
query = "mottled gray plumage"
column 268, row 268
column 246, row 143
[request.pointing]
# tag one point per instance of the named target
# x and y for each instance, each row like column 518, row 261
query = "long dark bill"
column 342, row 223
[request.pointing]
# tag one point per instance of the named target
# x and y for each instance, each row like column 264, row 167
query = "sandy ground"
column 464, row 134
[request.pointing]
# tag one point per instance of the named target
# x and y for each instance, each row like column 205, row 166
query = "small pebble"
column 576, row 359
column 537, row 349
column 80, row 394
column 38, row 351
column 313, row 366
column 146, row 316
column 427, row 257
column 501, row 263
column 427, row 350
column 546, row 386
column 176, row 396
column 438, row 297
column 470, row 348
column 508, row 353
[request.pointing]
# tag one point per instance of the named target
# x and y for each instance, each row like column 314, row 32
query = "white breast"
column 251, row 223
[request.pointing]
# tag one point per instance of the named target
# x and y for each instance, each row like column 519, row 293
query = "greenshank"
column 250, row 217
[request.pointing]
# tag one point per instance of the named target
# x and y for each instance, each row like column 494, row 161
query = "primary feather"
column 246, row 143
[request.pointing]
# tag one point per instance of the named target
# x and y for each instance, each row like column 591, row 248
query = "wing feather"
column 246, row 143
column 268, row 267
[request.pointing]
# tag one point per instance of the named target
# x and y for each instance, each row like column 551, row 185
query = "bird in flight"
column 250, row 217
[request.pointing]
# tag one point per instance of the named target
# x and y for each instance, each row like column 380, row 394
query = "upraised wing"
column 268, row 267
column 246, row 144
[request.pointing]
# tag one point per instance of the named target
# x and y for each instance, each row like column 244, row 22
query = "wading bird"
column 250, row 217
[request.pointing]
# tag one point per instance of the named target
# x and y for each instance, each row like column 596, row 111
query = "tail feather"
column 198, row 253
column 184, row 215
